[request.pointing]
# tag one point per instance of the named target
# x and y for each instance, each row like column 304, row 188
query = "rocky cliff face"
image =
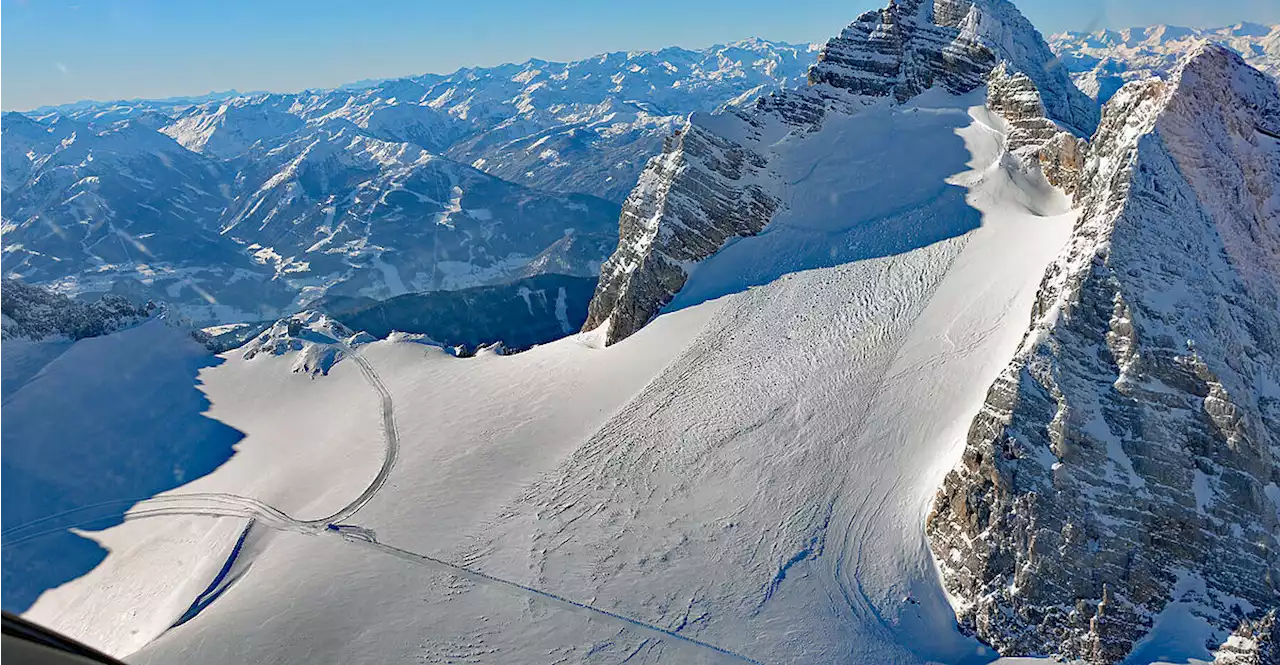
column 713, row 180
column 901, row 51
column 1033, row 138
column 1125, row 469
column 912, row 45
column 701, row 192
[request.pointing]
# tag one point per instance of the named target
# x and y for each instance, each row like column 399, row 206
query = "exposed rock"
column 1126, row 462
column 901, row 51
column 1253, row 643
column 712, row 182
column 321, row 342
column 690, row 200
column 1033, row 138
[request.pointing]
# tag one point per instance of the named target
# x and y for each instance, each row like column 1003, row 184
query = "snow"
column 562, row 310
column 390, row 276
column 1203, row 491
column 1177, row 635
column 1102, row 61
column 138, row 429
column 1273, row 492
column 746, row 478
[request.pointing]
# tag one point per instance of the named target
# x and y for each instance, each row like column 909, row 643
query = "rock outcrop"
column 712, row 181
column 1253, row 643
column 698, row 194
column 1126, row 465
column 1034, row 139
column 902, row 50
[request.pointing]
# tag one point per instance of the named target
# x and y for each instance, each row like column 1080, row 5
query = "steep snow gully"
column 257, row 512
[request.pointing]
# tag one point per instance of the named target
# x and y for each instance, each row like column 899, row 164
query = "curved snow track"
column 219, row 504
column 390, row 436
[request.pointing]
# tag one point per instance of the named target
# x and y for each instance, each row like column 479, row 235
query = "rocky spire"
column 1126, row 463
column 712, row 181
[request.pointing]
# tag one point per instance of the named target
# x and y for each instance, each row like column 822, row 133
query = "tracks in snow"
column 218, row 504
column 390, row 436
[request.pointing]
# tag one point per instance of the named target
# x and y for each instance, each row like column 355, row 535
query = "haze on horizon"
column 59, row 52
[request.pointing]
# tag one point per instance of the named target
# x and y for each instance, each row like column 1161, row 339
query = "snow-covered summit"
column 229, row 128
column 721, row 176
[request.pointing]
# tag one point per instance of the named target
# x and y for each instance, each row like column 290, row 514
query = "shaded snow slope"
column 119, row 416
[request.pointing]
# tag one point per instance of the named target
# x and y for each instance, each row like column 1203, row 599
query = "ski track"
column 219, row 504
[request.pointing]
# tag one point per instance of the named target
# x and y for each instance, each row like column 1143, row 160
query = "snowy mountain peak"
column 714, row 181
column 1120, row 477
column 15, row 122
column 912, row 45
column 228, row 128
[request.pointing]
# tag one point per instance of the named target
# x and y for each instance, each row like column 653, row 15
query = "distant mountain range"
column 247, row 207
column 1101, row 62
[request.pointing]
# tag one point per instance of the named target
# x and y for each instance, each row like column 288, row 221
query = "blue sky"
column 56, row 51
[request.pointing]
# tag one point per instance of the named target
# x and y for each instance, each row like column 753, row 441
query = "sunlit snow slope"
column 745, row 479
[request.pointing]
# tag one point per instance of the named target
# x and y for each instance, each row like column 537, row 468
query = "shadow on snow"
column 110, row 421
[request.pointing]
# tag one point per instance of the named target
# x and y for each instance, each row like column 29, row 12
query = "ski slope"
column 744, row 480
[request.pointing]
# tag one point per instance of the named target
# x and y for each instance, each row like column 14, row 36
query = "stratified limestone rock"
column 711, row 183
column 690, row 200
column 1126, row 463
column 1033, row 138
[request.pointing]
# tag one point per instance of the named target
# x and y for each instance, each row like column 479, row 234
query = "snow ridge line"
column 216, row 586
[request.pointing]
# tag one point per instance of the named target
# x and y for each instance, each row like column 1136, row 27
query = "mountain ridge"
column 1075, row 483
column 678, row 216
